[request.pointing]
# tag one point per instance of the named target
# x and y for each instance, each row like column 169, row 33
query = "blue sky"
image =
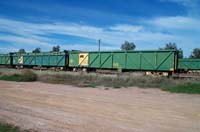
column 78, row 24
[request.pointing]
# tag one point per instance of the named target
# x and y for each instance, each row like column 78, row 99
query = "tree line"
column 131, row 46
column 168, row 46
column 38, row 50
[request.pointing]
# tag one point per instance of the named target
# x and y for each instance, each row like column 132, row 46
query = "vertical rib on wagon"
column 152, row 60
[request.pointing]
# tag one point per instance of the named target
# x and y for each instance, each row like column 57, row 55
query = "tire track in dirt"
column 62, row 108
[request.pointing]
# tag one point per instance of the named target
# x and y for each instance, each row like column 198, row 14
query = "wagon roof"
column 122, row 51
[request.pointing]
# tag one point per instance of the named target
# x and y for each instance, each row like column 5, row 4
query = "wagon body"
column 158, row 60
column 17, row 59
column 49, row 59
column 189, row 64
column 5, row 59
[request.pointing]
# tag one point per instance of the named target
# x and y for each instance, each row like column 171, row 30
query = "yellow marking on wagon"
column 115, row 65
column 83, row 59
column 20, row 60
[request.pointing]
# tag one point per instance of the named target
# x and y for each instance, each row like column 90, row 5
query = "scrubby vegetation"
column 189, row 88
column 88, row 80
column 4, row 127
column 115, row 81
column 24, row 76
column 94, row 80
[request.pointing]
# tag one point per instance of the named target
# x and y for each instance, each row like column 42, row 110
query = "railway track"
column 186, row 75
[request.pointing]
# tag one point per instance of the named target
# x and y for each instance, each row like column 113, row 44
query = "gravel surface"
column 62, row 108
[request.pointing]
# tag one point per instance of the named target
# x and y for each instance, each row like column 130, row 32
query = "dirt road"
column 61, row 108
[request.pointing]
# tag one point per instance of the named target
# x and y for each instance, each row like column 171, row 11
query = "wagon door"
column 83, row 59
column 20, row 59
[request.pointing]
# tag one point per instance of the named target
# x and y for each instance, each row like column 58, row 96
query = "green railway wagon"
column 189, row 64
column 47, row 59
column 17, row 59
column 5, row 59
column 155, row 60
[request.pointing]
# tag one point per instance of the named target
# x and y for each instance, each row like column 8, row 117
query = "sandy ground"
column 61, row 108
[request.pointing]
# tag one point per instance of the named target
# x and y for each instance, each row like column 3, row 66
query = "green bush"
column 189, row 88
column 25, row 76
column 10, row 128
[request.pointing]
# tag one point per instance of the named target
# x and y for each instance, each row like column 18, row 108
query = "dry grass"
column 24, row 76
column 94, row 79
column 115, row 81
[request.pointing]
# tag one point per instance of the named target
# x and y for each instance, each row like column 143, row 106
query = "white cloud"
column 19, row 42
column 7, row 50
column 185, row 30
column 86, row 47
column 177, row 22
column 34, row 31
column 18, row 27
column 71, row 29
column 151, row 34
column 23, row 41
column 126, row 28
